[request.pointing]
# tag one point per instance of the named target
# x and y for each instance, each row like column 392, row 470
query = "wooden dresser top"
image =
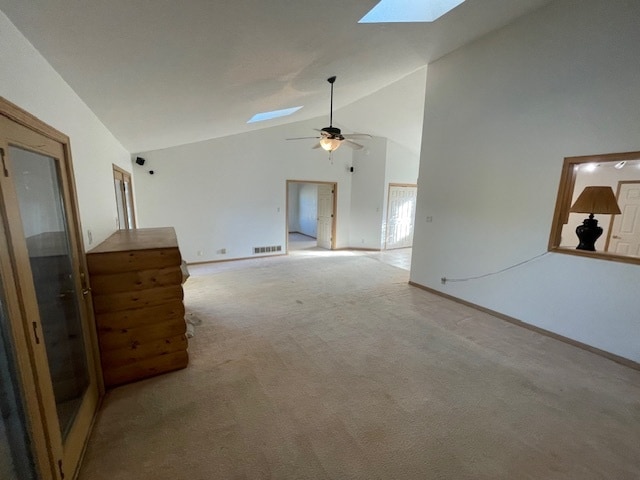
column 138, row 239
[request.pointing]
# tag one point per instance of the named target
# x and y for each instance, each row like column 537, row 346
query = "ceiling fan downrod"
column 331, row 80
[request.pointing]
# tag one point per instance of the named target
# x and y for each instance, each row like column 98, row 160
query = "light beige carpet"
column 332, row 367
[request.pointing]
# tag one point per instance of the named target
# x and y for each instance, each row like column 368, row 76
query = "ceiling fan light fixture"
column 331, row 137
column 329, row 144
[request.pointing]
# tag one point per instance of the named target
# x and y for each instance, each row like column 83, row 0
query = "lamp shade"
column 596, row 200
column 329, row 144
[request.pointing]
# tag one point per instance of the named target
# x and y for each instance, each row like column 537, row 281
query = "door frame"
column 37, row 407
column 334, row 213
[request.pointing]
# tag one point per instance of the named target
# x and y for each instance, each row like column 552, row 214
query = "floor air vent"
column 275, row 248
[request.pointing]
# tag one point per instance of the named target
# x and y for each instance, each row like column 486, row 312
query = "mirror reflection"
column 598, row 207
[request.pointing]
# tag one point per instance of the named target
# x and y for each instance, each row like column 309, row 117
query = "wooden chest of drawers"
column 136, row 280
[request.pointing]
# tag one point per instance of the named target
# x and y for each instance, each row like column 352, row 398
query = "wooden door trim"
column 70, row 198
column 18, row 115
column 24, row 118
column 23, row 278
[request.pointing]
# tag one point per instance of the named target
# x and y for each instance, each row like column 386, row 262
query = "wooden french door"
column 52, row 308
column 124, row 198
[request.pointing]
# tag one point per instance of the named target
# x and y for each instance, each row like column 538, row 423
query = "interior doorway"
column 311, row 214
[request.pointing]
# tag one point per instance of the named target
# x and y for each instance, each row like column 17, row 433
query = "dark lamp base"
column 588, row 233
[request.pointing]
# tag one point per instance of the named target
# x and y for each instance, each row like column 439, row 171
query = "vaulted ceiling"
column 160, row 73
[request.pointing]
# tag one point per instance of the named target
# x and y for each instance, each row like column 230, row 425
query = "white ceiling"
column 161, row 73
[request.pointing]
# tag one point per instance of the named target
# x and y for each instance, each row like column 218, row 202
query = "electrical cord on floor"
column 445, row 280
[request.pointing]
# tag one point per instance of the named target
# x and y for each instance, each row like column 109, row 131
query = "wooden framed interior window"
column 620, row 238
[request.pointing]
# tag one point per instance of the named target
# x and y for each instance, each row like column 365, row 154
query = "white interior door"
column 401, row 212
column 325, row 215
column 624, row 235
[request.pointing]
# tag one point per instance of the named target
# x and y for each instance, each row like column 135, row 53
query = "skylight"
column 395, row 11
column 261, row 117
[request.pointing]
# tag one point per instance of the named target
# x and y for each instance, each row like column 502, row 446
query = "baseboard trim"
column 359, row 249
column 603, row 353
column 234, row 259
column 303, row 234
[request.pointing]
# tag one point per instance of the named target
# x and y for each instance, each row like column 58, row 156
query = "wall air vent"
column 259, row 250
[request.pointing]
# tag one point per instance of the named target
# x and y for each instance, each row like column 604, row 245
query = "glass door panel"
column 16, row 462
column 122, row 219
column 128, row 197
column 38, row 188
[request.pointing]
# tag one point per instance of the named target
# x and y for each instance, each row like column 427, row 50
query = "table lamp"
column 592, row 200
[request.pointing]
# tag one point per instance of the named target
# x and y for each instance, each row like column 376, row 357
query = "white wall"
column 238, row 182
column 27, row 80
column 401, row 167
column 308, row 209
column 368, row 194
column 230, row 193
column 303, row 208
column 294, row 211
column 500, row 116
column 394, row 113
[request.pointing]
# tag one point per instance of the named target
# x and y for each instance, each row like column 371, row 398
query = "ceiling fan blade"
column 357, row 135
column 352, row 144
column 317, row 145
column 300, row 138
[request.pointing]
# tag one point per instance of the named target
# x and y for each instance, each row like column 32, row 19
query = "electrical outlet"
column 429, row 219
column 90, row 236
column 222, row 251
column 199, row 253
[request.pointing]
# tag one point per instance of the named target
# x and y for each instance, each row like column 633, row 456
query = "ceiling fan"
column 331, row 137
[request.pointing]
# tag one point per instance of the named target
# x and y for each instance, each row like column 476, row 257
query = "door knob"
column 616, row 237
